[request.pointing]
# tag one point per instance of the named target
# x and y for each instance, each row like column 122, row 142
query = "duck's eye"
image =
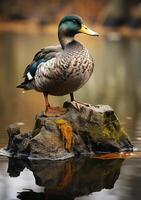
column 74, row 21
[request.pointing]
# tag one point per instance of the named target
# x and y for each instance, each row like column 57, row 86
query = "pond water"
column 116, row 81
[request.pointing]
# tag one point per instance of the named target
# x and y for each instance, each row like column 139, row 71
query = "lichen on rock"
column 66, row 133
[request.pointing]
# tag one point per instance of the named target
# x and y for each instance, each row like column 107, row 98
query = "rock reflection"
column 66, row 180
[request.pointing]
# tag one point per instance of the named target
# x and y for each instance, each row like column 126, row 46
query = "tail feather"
column 25, row 86
column 20, row 86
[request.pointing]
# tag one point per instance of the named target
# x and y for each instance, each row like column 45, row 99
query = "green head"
column 71, row 25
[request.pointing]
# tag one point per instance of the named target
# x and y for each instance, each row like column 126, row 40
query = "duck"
column 62, row 69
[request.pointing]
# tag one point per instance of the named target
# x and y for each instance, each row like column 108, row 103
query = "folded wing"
column 42, row 56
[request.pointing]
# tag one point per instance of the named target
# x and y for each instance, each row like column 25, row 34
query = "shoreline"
column 29, row 27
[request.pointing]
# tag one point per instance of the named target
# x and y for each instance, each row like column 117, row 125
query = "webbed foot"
column 54, row 111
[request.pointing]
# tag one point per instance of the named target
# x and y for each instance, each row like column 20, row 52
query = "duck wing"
column 42, row 56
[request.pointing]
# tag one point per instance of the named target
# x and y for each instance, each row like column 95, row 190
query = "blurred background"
column 27, row 26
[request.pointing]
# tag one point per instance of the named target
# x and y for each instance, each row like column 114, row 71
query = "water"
column 116, row 81
column 79, row 179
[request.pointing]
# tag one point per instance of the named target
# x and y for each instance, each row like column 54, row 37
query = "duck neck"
column 64, row 39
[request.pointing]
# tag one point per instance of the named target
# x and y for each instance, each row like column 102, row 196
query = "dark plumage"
column 63, row 69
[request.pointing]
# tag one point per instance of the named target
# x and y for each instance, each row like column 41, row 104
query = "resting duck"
column 62, row 69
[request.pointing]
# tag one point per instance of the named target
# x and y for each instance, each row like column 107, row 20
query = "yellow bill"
column 86, row 30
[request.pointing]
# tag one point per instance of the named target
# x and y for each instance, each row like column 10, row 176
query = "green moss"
column 114, row 134
column 106, row 133
column 61, row 121
column 111, row 130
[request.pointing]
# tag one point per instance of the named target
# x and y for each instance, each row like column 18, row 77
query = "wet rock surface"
column 89, row 130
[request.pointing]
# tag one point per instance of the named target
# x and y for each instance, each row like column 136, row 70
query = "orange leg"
column 47, row 105
column 52, row 111
column 76, row 103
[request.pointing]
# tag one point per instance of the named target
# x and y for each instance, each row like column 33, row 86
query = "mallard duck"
column 62, row 69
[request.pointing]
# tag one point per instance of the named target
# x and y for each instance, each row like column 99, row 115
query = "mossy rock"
column 87, row 130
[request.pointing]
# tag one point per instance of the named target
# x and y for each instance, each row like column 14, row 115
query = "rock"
column 89, row 130
column 12, row 131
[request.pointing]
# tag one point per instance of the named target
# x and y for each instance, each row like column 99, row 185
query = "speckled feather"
column 65, row 72
column 58, row 71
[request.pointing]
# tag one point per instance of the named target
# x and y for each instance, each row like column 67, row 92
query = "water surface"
column 116, row 81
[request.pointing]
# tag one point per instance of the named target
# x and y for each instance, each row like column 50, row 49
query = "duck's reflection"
column 66, row 180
